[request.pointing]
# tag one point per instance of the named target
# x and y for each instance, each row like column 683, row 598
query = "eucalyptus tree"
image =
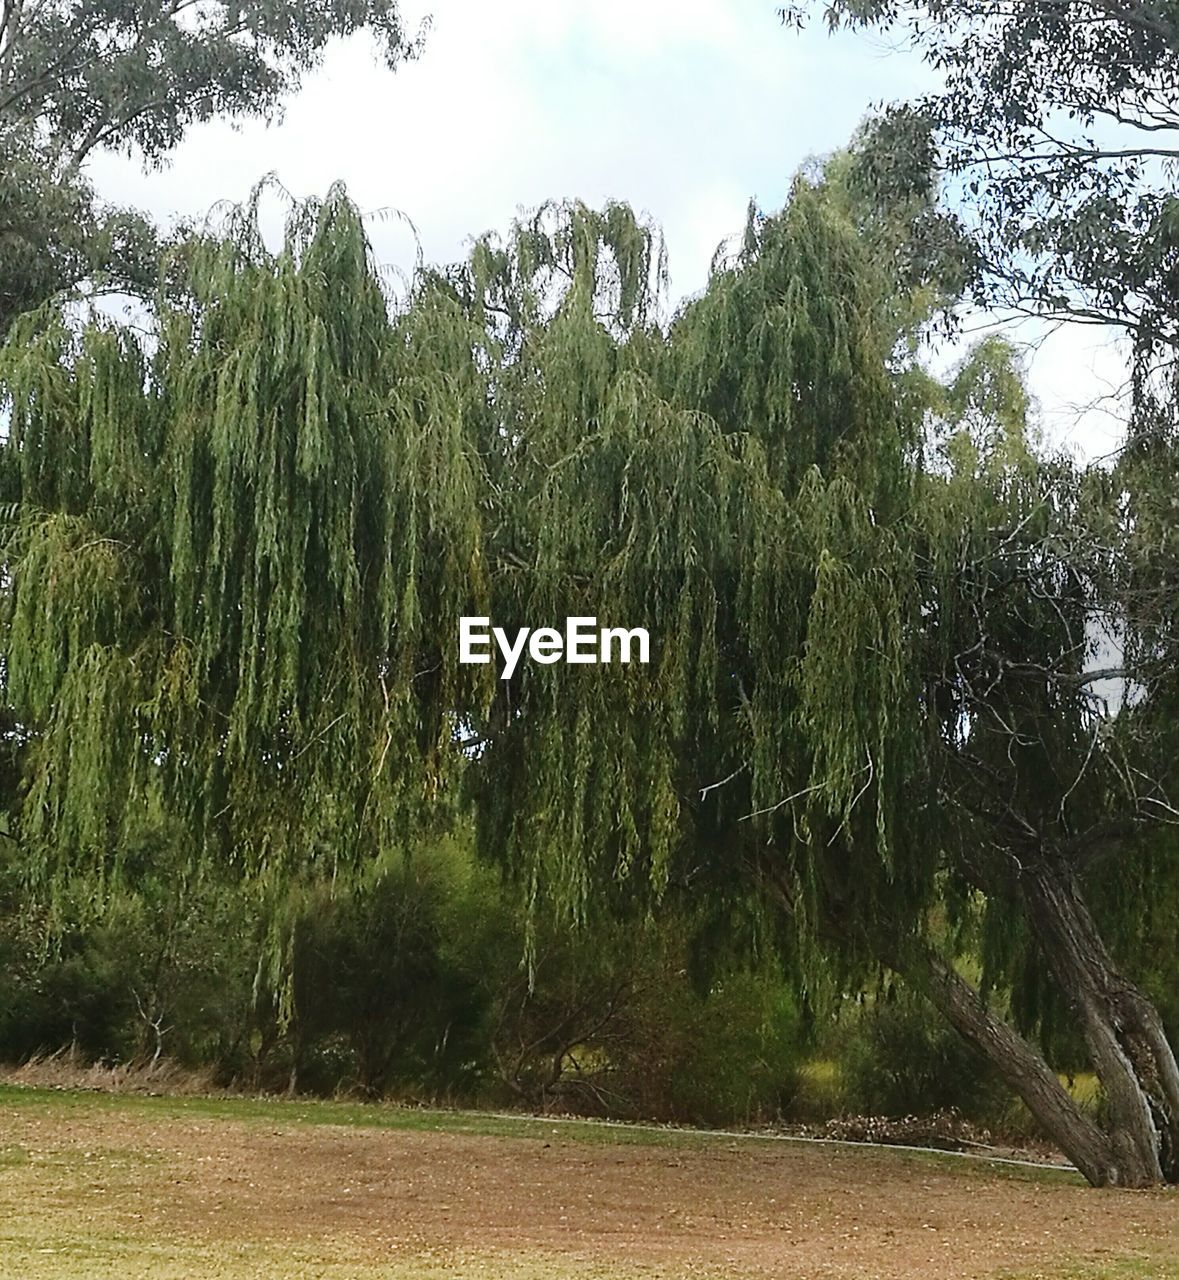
column 125, row 74
column 78, row 76
column 1058, row 126
column 42, row 229
column 1054, row 134
column 235, row 569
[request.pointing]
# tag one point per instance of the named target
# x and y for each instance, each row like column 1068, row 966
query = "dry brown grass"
column 136, row 1188
column 67, row 1069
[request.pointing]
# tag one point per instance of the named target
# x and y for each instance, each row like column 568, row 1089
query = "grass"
column 113, row 1259
column 371, row 1115
column 72, row 1242
column 366, row 1115
column 1115, row 1269
column 94, row 1257
column 55, row 1222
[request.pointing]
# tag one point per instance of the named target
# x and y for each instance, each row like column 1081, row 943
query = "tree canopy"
column 236, row 558
column 78, row 76
column 133, row 75
column 1055, row 127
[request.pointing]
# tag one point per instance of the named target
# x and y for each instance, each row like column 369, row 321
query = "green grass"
column 1084, row 1087
column 94, row 1258
column 367, row 1115
column 1116, row 1269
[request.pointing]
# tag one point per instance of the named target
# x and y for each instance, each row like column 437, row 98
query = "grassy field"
column 99, row 1187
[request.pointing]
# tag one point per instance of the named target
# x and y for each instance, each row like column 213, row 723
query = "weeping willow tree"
column 875, row 698
column 234, row 569
column 1045, row 765
column 224, row 565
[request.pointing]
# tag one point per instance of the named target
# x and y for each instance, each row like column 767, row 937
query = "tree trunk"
column 1127, row 1042
column 1020, row 1065
column 1131, row 1055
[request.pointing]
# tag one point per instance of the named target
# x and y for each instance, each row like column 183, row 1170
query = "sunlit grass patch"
column 32, row 1252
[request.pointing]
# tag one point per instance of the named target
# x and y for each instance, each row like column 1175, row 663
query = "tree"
column 1053, row 136
column 44, row 236
column 1054, row 140
column 138, row 75
column 81, row 75
column 218, row 591
column 234, row 573
column 377, row 970
column 1055, row 127
column 875, row 668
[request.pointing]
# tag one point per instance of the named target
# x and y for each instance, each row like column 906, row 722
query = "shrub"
column 897, row 1057
column 164, row 971
column 613, row 1025
column 730, row 1055
column 384, row 995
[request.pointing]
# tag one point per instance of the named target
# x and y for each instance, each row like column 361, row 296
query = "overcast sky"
column 685, row 108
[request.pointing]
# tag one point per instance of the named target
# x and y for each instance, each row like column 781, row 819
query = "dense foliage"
column 407, row 984
column 79, row 76
column 869, row 735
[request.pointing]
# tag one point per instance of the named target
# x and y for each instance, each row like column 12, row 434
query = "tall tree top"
column 135, row 74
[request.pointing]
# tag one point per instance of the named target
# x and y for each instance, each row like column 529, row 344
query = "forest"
column 887, row 823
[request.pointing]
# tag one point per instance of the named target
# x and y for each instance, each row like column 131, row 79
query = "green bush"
column 730, row 1055
column 165, row 970
column 73, row 995
column 385, row 998
column 613, row 1025
column 897, row 1057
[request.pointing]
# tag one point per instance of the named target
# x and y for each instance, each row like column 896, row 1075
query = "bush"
column 897, row 1057
column 74, row 995
column 385, row 997
column 164, row 971
column 612, row 1025
column 730, row 1055
column 409, row 983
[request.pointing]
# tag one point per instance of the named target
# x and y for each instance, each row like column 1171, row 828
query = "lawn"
column 94, row 1187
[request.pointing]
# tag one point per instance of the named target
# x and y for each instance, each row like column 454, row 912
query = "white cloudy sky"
column 685, row 108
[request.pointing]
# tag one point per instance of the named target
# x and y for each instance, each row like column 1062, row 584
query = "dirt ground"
column 374, row 1196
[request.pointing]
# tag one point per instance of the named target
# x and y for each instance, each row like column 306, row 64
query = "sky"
column 687, row 109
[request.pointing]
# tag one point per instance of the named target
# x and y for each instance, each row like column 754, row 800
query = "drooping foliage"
column 236, row 560
column 733, row 485
column 273, row 522
column 227, row 560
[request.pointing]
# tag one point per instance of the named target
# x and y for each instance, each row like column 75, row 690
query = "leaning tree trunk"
column 1019, row 1063
column 1131, row 1054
